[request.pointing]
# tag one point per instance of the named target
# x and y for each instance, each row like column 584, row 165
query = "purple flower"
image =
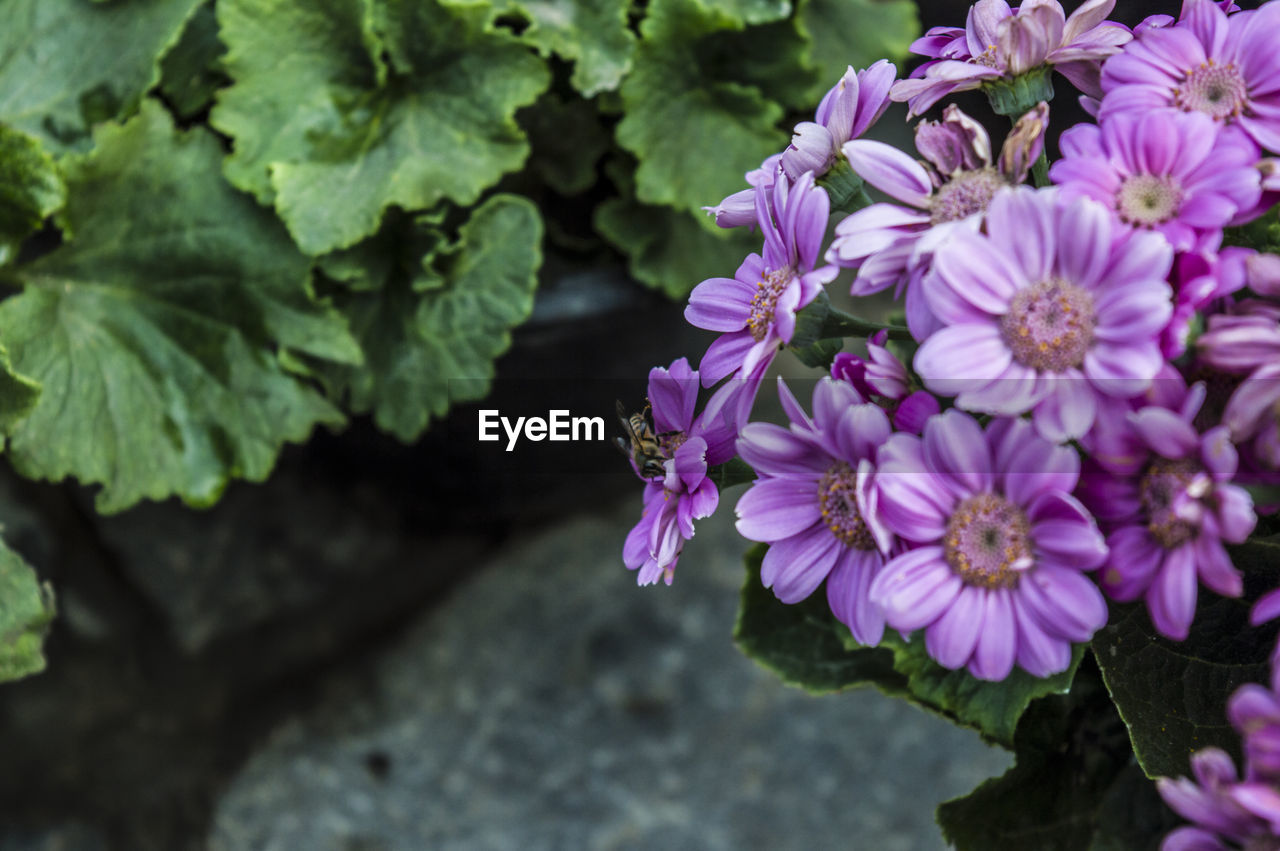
column 1210, row 802
column 1057, row 306
column 998, row 545
column 1159, row 21
column 1246, row 341
column 1168, row 521
column 852, row 106
column 756, row 309
column 883, row 377
column 1201, row 277
column 687, row 445
column 892, row 245
column 739, row 208
column 999, row 43
column 1162, row 170
column 814, row 503
column 1224, row 66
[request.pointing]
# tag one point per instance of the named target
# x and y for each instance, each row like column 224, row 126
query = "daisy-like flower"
column 1001, row 44
column 846, row 112
column 892, row 245
column 998, row 546
column 739, row 208
column 687, row 445
column 1221, row 65
column 1169, row 520
column 1057, row 305
column 814, row 503
column 883, row 378
column 1162, row 170
column 1210, row 801
column 756, row 309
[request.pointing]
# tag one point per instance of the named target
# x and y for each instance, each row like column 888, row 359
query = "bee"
column 642, row 443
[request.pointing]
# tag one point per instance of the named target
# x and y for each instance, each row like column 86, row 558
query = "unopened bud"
column 1024, row 144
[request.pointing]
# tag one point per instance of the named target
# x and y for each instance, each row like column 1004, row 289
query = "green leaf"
column 1261, row 234
column 694, row 135
column 668, row 250
column 66, row 65
column 1073, row 786
column 806, row 646
column 772, row 58
column 26, row 608
column 18, row 395
column 568, row 142
column 154, row 329
column 192, row 71
column 593, row 34
column 993, row 709
column 855, row 33
column 31, row 189
column 749, row 11
column 436, row 322
column 334, row 136
column 1173, row 695
column 803, row 644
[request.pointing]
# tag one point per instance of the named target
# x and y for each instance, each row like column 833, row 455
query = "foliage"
column 225, row 222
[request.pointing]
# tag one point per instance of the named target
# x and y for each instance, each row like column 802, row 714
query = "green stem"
column 1040, row 171
column 841, row 324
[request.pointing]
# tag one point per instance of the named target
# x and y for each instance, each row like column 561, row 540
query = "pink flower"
column 1164, row 171
column 996, row 546
column 1223, row 66
column 999, row 43
column 1057, row 307
column 892, row 245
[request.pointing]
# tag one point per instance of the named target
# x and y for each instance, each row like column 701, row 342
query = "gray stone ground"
column 549, row 703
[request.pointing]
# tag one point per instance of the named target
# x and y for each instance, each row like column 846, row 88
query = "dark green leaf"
column 1173, row 695
column 735, row 471
column 191, row 71
column 803, row 644
column 1073, row 786
column 335, row 134
column 432, row 326
column 695, row 136
column 568, row 141
column 66, row 65
column 856, row 33
column 26, row 608
column 668, row 250
column 593, row 34
column 155, row 329
column 993, row 709
column 31, row 189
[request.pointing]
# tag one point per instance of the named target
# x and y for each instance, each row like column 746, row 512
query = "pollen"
column 1146, row 200
column 964, row 194
column 1219, row 91
column 988, row 542
column 765, row 302
column 838, row 504
column 1049, row 325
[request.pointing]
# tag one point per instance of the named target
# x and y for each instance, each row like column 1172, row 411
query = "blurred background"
column 432, row 645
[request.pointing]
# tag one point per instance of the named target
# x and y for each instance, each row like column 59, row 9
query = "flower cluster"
column 1085, row 374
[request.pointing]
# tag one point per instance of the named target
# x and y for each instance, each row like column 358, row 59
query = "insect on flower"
column 642, row 444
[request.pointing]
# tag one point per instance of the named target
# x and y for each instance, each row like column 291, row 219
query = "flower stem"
column 1040, row 171
column 841, row 324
